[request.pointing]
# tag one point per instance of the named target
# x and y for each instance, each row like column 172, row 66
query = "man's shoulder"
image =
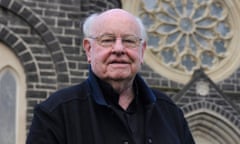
column 166, row 105
column 66, row 95
column 163, row 98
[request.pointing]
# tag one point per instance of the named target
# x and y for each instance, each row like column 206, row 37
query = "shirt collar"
column 144, row 92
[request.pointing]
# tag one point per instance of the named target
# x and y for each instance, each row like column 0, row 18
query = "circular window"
column 186, row 35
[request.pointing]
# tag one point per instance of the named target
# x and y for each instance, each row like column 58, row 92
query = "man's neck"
column 125, row 91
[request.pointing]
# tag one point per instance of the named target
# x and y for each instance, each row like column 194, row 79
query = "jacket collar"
column 145, row 92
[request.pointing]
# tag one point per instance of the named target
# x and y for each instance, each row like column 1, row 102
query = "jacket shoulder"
column 167, row 107
column 73, row 93
column 162, row 97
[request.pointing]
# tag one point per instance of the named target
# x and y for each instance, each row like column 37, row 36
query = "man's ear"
column 144, row 46
column 87, row 49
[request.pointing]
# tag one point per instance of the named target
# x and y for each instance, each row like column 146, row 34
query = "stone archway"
column 209, row 127
column 47, row 36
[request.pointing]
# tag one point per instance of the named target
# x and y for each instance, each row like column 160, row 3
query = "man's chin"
column 120, row 77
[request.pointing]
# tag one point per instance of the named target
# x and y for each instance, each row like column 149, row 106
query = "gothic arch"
column 44, row 32
column 212, row 123
column 18, row 47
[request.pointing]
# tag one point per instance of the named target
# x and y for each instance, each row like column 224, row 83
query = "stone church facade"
column 192, row 56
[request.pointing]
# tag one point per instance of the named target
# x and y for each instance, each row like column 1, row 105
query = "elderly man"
column 114, row 105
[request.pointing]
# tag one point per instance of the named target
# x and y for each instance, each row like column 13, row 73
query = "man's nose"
column 118, row 47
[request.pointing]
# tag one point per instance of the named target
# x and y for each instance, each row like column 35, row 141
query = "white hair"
column 87, row 26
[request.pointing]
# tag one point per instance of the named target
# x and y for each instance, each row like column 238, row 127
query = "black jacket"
column 72, row 116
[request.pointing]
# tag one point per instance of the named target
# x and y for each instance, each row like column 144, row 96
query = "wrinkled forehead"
column 117, row 22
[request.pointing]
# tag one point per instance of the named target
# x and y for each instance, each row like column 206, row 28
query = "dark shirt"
column 132, row 117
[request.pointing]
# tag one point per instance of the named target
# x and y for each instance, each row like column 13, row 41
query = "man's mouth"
column 118, row 62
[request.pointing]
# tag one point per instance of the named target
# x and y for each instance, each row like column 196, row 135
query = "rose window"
column 186, row 35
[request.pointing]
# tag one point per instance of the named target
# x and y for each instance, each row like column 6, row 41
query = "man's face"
column 115, row 50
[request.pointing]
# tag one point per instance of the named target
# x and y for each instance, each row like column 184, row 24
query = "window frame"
column 8, row 60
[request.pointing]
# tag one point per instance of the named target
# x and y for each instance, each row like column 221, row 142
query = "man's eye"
column 129, row 41
column 107, row 40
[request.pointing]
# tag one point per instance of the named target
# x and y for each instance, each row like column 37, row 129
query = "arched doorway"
column 209, row 127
